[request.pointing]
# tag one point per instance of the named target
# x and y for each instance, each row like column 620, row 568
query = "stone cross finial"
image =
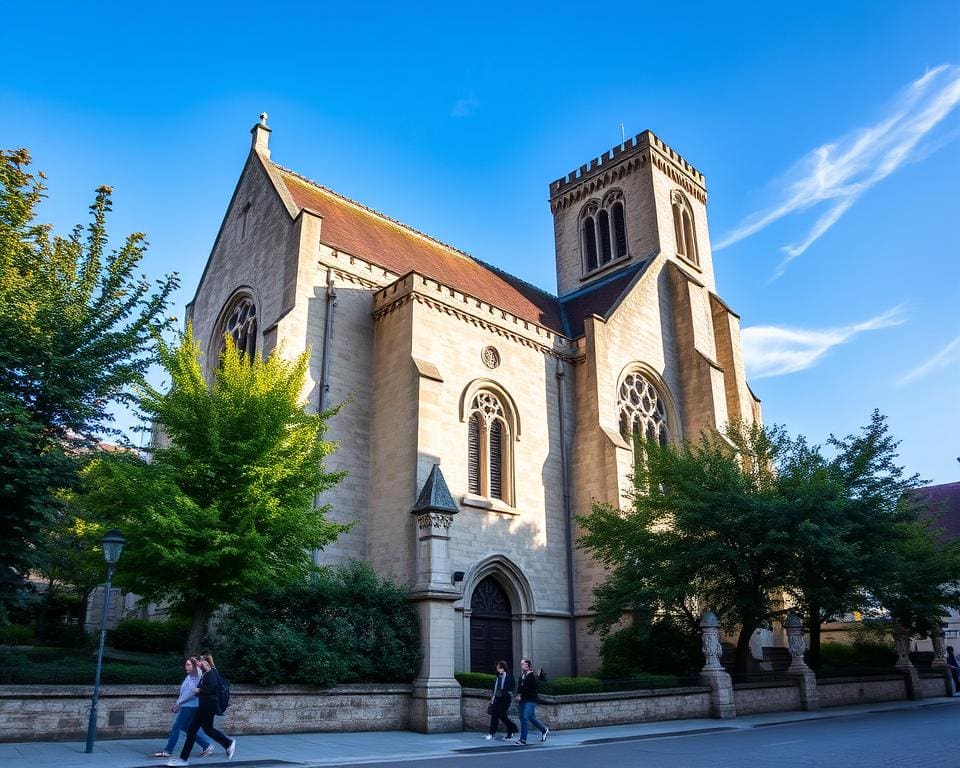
column 263, row 119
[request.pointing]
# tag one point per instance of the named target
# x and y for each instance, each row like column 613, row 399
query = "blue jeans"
column 180, row 723
column 528, row 714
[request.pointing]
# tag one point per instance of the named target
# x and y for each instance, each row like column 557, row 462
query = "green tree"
column 703, row 525
column 227, row 508
column 77, row 326
column 850, row 530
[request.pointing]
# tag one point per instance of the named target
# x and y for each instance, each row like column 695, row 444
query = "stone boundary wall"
column 754, row 698
column 846, row 691
column 55, row 712
column 588, row 710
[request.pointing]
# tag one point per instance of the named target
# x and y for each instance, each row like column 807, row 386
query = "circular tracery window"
column 643, row 413
column 490, row 357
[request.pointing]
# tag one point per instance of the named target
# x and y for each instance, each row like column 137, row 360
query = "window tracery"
column 643, row 413
column 489, row 457
column 603, row 232
column 241, row 325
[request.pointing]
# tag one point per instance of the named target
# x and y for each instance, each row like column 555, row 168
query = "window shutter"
column 605, row 254
column 590, row 243
column 473, row 455
column 619, row 230
column 496, row 459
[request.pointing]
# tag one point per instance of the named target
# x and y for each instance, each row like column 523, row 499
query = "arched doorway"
column 491, row 631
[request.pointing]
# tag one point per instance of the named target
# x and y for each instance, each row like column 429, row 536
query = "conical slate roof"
column 435, row 496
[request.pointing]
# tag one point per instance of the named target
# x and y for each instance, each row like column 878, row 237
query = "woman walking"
column 500, row 703
column 185, row 710
column 206, row 710
column 527, row 696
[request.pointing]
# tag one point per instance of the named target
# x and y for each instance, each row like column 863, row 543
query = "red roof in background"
column 941, row 504
column 360, row 231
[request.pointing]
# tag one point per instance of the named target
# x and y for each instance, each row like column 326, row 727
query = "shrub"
column 61, row 634
column 16, row 634
column 37, row 667
column 661, row 646
column 860, row 653
column 560, row 686
column 168, row 636
column 476, row 680
column 344, row 626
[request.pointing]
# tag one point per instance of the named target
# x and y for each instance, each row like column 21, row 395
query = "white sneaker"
column 487, row 737
column 176, row 761
column 543, row 736
column 231, row 749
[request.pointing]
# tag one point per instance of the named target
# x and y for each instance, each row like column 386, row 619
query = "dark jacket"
column 209, row 684
column 507, row 689
column 528, row 687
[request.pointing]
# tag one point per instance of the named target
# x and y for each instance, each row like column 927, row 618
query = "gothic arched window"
column 643, row 413
column 683, row 227
column 489, row 455
column 240, row 322
column 603, row 231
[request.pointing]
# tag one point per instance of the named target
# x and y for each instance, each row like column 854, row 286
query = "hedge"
column 481, row 680
column 36, row 667
column 168, row 636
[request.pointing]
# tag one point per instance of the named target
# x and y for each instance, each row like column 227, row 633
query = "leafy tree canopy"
column 77, row 326
column 227, row 508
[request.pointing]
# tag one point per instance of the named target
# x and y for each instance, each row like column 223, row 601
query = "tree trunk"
column 814, row 624
column 742, row 661
column 198, row 629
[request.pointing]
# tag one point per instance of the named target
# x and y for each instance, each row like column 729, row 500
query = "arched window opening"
column 684, row 229
column 590, row 244
column 603, row 231
column 643, row 414
column 489, row 459
column 605, row 253
column 619, row 231
column 241, row 325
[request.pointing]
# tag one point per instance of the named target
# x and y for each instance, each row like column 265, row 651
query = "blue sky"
column 828, row 134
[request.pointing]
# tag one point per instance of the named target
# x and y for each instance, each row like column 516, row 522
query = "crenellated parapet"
column 635, row 153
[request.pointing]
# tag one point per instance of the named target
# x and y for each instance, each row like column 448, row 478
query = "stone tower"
column 636, row 200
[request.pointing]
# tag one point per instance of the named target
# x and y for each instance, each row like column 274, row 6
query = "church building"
column 529, row 403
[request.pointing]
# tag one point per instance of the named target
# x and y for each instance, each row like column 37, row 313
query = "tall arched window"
column 603, row 231
column 489, row 455
column 643, row 413
column 240, row 322
column 684, row 229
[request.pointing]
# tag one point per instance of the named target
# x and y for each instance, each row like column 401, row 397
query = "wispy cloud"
column 771, row 350
column 465, row 107
column 839, row 172
column 949, row 355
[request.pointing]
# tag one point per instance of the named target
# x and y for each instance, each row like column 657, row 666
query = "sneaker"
column 161, row 753
column 543, row 736
column 207, row 752
column 231, row 749
column 176, row 761
column 508, row 737
column 488, row 737
column 521, row 742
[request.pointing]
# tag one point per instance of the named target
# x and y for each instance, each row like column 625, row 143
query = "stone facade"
column 404, row 332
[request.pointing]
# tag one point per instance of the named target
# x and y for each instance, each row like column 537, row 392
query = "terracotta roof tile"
column 355, row 229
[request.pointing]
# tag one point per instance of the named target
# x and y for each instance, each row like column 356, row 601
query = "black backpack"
column 223, row 694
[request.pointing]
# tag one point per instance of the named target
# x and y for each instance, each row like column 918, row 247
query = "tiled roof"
column 357, row 230
column 941, row 504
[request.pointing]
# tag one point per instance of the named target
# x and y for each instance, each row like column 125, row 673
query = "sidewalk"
column 323, row 749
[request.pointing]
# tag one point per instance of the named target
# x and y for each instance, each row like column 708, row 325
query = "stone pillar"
column 797, row 644
column 713, row 674
column 939, row 662
column 910, row 676
column 435, row 703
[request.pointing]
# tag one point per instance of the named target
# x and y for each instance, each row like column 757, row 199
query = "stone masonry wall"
column 844, row 692
column 751, row 698
column 50, row 712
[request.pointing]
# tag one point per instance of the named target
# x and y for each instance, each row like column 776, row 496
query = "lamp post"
column 112, row 547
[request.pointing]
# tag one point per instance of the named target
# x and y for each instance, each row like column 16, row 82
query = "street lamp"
column 112, row 547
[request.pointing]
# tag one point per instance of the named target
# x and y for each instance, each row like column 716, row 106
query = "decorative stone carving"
column 434, row 520
column 901, row 637
column 712, row 649
column 796, row 642
column 490, row 357
column 936, row 638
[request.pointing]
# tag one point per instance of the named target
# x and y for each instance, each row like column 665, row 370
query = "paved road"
column 926, row 738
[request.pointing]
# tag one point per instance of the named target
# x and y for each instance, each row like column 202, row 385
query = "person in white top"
column 185, row 710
